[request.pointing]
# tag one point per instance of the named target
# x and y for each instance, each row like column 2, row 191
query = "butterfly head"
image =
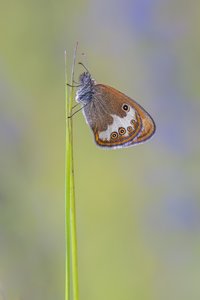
column 85, row 92
column 85, row 78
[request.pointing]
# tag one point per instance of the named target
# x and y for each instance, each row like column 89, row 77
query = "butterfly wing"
column 116, row 120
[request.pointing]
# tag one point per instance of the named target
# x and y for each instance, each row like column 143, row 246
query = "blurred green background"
column 138, row 209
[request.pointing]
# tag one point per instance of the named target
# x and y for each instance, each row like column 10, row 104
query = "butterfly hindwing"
column 116, row 119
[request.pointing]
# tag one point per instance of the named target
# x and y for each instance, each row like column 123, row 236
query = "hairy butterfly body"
column 116, row 120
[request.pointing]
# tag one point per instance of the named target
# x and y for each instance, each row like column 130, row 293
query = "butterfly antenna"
column 80, row 63
column 85, row 58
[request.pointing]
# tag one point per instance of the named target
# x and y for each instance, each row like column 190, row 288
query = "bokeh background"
column 138, row 209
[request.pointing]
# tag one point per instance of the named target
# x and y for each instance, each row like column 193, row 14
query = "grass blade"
column 71, row 277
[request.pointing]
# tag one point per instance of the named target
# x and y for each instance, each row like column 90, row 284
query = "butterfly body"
column 116, row 120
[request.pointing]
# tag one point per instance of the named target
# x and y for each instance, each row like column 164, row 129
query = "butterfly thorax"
column 86, row 89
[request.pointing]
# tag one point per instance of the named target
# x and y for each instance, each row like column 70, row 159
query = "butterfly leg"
column 75, row 105
column 75, row 82
column 77, row 110
column 70, row 85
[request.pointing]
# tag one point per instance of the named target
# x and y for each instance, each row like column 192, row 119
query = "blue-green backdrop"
column 138, row 209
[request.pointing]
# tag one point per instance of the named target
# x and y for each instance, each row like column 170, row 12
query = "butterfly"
column 116, row 120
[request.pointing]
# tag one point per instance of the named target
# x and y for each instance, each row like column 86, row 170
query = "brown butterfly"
column 116, row 120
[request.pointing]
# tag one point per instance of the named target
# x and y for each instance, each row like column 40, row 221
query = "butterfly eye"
column 125, row 107
column 114, row 135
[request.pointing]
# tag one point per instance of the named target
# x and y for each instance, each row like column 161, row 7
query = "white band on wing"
column 117, row 123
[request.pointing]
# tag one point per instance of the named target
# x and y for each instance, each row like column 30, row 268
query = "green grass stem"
column 71, row 276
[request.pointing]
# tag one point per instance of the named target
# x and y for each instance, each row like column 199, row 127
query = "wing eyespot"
column 132, row 122
column 130, row 128
column 121, row 130
column 126, row 107
column 114, row 135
